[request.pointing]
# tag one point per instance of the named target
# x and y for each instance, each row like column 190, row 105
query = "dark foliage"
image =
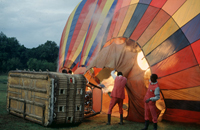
column 15, row 56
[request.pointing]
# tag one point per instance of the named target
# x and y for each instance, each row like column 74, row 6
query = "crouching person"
column 152, row 95
column 117, row 95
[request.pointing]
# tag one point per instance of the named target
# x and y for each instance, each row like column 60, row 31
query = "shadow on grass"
column 64, row 125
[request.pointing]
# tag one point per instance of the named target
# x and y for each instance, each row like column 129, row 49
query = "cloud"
column 35, row 22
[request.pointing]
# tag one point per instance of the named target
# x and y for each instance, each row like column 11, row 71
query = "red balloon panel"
column 179, row 61
column 196, row 49
column 158, row 3
column 181, row 115
column 148, row 16
column 183, row 79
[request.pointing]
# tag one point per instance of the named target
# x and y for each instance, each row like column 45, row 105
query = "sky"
column 33, row 22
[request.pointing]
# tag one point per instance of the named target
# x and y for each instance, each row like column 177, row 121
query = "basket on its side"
column 46, row 97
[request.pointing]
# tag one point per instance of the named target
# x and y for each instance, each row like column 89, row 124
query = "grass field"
column 98, row 122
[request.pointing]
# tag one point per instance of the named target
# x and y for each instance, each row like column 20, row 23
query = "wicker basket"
column 46, row 97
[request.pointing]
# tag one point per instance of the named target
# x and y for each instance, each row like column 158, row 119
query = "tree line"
column 15, row 56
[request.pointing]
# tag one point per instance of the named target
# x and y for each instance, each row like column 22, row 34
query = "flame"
column 109, row 84
column 142, row 62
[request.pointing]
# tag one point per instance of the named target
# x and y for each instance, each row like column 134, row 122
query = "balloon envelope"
column 108, row 33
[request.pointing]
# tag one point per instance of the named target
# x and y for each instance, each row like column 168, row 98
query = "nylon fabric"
column 63, row 50
column 80, row 30
column 167, row 30
column 145, row 1
column 171, row 6
column 110, row 31
column 91, row 31
column 97, row 28
column 120, row 20
column 181, row 115
column 97, row 101
column 138, row 13
column 184, row 79
column 139, row 37
column 77, row 53
column 127, row 19
column 186, row 12
column 157, row 23
column 134, row 1
column 173, row 44
column 93, row 54
column 147, row 18
column 190, row 94
column 192, row 32
column 113, row 22
column 182, row 104
column 157, row 3
column 101, row 31
column 181, row 60
column 73, row 24
column 195, row 47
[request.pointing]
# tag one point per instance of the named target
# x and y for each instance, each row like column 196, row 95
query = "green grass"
column 98, row 122
column 3, row 82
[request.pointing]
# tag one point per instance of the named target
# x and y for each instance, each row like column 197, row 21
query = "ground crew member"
column 117, row 95
column 152, row 95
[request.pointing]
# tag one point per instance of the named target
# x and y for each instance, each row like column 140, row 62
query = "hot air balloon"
column 139, row 37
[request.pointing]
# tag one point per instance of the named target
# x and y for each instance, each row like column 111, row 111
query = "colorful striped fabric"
column 167, row 31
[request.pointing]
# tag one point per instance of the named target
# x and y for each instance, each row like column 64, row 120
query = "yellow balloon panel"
column 190, row 94
column 187, row 11
column 67, row 32
column 127, row 19
column 98, row 26
column 120, row 19
column 134, row 2
column 77, row 51
column 157, row 23
column 167, row 30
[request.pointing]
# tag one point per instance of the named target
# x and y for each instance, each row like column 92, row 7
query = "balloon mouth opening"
column 105, row 78
column 142, row 62
column 132, row 46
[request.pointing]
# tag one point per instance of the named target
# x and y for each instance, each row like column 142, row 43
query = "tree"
column 12, row 64
column 48, row 51
column 13, row 55
column 38, row 64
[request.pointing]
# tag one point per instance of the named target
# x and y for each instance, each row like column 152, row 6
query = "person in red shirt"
column 117, row 95
column 152, row 95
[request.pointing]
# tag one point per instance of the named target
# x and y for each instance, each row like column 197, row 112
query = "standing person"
column 117, row 95
column 152, row 95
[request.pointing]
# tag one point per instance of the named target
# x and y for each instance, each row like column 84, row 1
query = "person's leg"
column 109, row 119
column 147, row 111
column 112, row 104
column 146, row 125
column 146, row 116
column 154, row 115
column 113, row 101
column 120, row 104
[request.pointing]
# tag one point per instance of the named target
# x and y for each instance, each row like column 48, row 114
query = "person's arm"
column 101, row 85
column 157, row 95
column 113, row 74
